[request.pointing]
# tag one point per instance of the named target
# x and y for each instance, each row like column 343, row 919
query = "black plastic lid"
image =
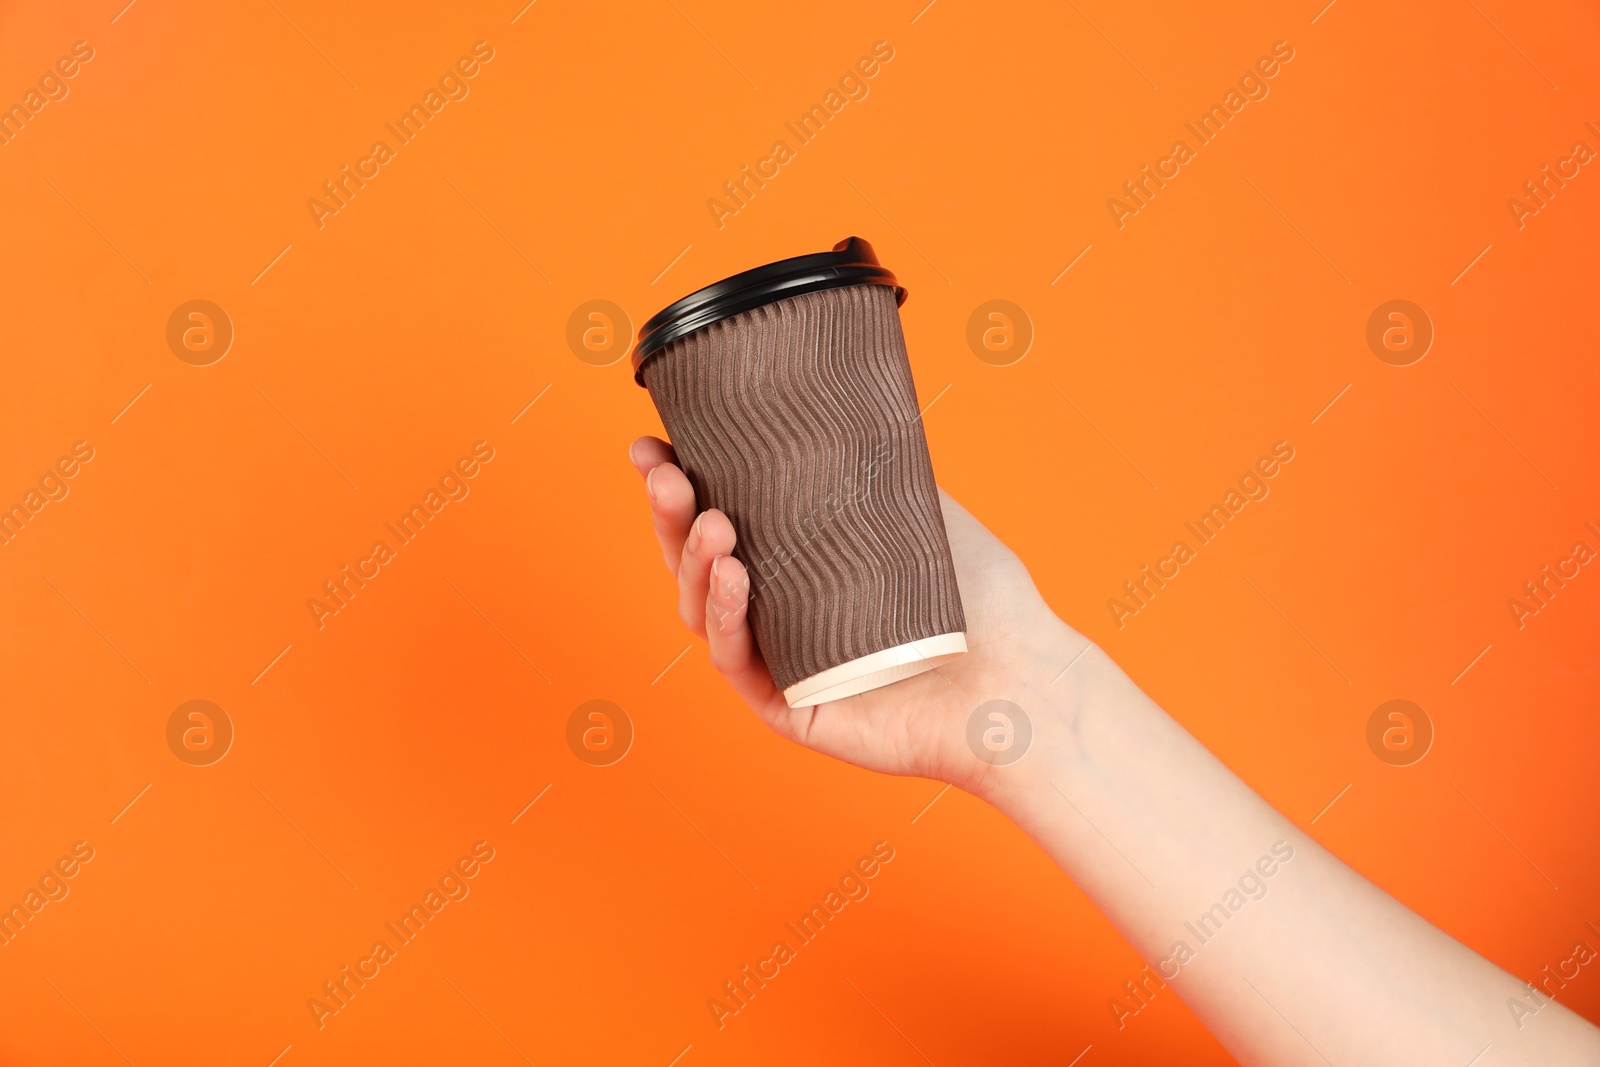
column 851, row 262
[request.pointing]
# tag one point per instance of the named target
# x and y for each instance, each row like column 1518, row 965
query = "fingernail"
column 724, row 604
column 633, row 453
column 695, row 533
column 727, row 587
column 650, row 484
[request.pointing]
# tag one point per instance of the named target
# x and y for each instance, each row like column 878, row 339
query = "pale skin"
column 1319, row 966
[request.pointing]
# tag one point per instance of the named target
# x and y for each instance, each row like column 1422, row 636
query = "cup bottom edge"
column 876, row 670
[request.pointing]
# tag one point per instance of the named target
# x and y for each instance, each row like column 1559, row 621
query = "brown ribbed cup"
column 799, row 420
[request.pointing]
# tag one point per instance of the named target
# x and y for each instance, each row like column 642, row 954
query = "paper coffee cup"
column 787, row 393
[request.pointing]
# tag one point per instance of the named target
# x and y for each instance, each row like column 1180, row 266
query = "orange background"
column 1222, row 318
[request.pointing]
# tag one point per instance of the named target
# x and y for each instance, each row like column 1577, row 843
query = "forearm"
column 1285, row 953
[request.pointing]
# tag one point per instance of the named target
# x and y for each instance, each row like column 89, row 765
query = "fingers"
column 672, row 504
column 733, row 646
column 649, row 452
column 713, row 587
column 727, row 605
column 710, row 536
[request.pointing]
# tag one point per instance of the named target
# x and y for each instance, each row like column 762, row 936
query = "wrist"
column 1054, row 670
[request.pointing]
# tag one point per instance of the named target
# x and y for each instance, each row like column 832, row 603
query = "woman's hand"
column 917, row 726
column 1148, row 823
